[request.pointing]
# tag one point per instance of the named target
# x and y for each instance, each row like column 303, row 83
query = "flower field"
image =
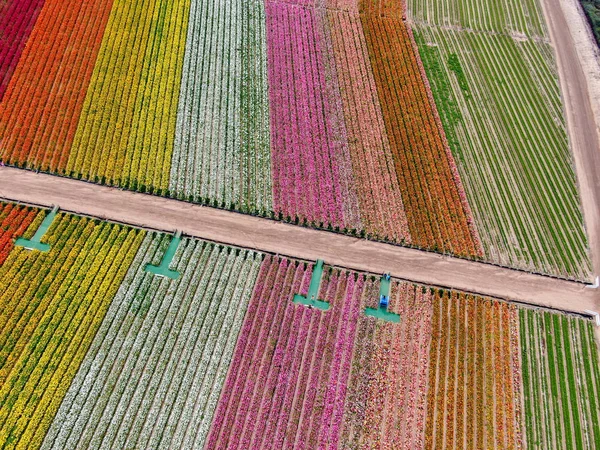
column 52, row 304
column 436, row 205
column 325, row 379
column 317, row 112
column 16, row 22
column 379, row 198
column 14, row 220
column 474, row 382
column 98, row 352
column 126, row 130
column 42, row 102
column 326, row 113
column 155, row 369
column 313, row 112
column 494, row 78
column 222, row 142
column 386, row 393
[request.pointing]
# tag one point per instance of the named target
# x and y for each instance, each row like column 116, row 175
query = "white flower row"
column 66, row 420
column 222, row 142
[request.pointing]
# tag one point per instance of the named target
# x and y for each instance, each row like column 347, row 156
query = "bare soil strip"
column 280, row 238
column 580, row 104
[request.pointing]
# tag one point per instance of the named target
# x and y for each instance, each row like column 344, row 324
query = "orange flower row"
column 436, row 216
column 14, row 220
column 42, row 103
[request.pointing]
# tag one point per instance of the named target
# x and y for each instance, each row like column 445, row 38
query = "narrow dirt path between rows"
column 276, row 237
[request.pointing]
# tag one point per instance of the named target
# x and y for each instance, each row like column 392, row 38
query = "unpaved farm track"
column 582, row 126
column 276, row 237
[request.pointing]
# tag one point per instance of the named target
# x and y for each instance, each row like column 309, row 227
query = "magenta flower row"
column 17, row 18
column 305, row 135
column 286, row 387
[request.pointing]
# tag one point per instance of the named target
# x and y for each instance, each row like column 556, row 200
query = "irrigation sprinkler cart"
column 163, row 269
column 35, row 243
column 384, row 301
column 310, row 299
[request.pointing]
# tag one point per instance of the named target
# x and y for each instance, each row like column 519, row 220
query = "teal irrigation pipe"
column 313, row 290
column 35, row 243
column 163, row 270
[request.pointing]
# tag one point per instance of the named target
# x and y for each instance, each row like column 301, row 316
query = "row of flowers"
column 431, row 196
column 222, row 141
column 379, row 196
column 127, row 128
column 43, row 100
column 160, row 358
column 474, row 372
column 62, row 298
column 308, row 141
column 17, row 18
column 14, row 220
column 389, row 378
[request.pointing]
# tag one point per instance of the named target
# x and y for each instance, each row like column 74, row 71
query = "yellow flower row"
column 127, row 125
column 51, row 310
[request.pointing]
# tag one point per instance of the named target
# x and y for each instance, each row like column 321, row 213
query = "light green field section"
column 513, row 16
column 561, row 382
column 499, row 99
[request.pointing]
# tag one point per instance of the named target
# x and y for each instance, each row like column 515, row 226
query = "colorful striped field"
column 291, row 109
column 52, row 305
column 315, row 112
column 98, row 352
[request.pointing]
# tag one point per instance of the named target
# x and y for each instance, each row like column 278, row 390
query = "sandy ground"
column 276, row 237
column 579, row 68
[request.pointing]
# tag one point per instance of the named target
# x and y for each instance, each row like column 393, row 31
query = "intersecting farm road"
column 284, row 239
column 419, row 266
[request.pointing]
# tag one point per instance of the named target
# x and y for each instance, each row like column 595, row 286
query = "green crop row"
column 523, row 17
column 560, row 381
column 499, row 102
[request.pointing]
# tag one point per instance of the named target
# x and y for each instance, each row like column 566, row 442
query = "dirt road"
column 271, row 236
column 582, row 126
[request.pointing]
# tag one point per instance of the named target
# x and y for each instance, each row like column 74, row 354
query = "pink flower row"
column 376, row 182
column 390, row 385
column 310, row 161
column 17, row 18
column 302, row 378
column 287, row 383
column 336, row 5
